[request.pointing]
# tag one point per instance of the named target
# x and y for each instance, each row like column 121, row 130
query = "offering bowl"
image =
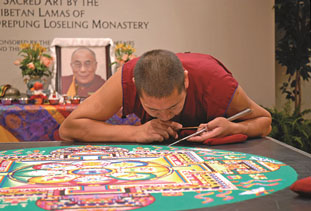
column 54, row 101
column 7, row 101
column 23, row 100
column 75, row 100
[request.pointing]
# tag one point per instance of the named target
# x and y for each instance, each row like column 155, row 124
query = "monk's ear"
column 133, row 79
column 186, row 81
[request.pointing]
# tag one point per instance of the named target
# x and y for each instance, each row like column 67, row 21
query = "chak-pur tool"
column 232, row 118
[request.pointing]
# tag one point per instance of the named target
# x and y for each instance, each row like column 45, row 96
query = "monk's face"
column 164, row 108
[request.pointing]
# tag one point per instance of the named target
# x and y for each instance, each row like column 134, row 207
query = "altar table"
column 20, row 123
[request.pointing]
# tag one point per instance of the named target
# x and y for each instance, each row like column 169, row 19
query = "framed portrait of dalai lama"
column 81, row 65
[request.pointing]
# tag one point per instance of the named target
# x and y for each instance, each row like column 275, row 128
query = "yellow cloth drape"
column 6, row 136
column 72, row 88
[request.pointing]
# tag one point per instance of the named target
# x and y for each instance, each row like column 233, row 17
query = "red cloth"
column 236, row 138
column 302, row 187
column 211, row 88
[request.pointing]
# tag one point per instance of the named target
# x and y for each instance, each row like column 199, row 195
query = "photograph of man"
column 84, row 80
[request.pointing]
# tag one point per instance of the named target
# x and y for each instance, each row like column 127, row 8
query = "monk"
column 167, row 91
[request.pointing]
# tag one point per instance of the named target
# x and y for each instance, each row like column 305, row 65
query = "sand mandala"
column 129, row 177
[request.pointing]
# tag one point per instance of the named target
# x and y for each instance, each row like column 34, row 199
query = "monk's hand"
column 218, row 127
column 157, row 130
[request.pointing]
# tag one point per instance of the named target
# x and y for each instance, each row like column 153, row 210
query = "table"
column 20, row 123
column 268, row 147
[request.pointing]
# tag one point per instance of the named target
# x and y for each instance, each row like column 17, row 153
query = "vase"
column 31, row 80
column 30, row 83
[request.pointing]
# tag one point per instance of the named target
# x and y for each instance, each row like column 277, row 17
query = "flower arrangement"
column 34, row 62
column 124, row 52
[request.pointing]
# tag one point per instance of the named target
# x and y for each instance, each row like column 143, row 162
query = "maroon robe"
column 210, row 91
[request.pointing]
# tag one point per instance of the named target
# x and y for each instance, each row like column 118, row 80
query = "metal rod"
column 232, row 118
column 240, row 114
column 193, row 134
column 189, row 128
